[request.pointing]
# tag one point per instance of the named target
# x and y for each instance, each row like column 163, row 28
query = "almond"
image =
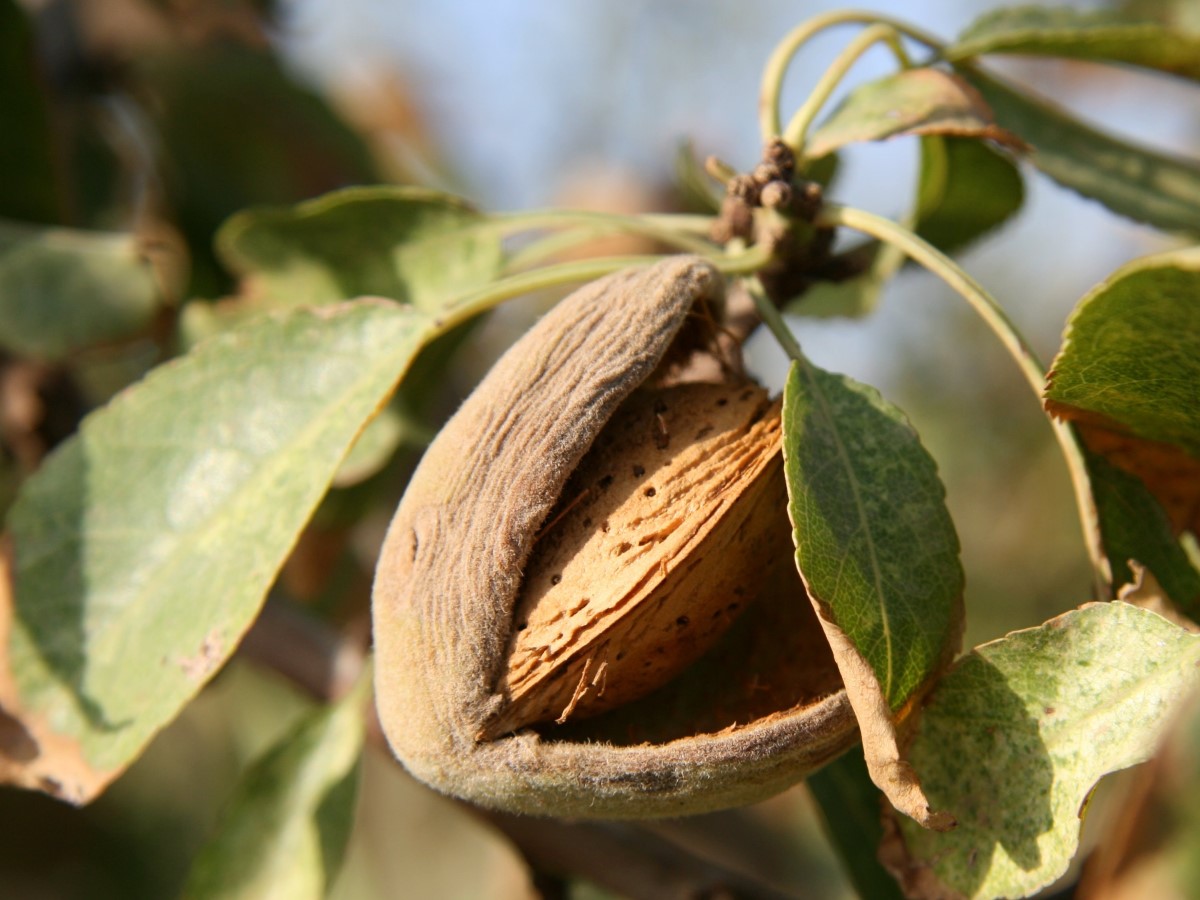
column 658, row 542
column 499, row 506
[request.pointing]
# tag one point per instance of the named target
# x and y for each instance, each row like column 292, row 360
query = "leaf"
column 874, row 541
column 1134, row 181
column 1127, row 374
column 966, row 190
column 1134, row 527
column 410, row 244
column 695, row 186
column 915, row 101
column 1129, row 352
column 1103, row 36
column 61, row 290
column 877, row 551
column 852, row 809
column 853, row 298
column 145, row 544
column 1017, row 734
column 26, row 149
column 284, row 832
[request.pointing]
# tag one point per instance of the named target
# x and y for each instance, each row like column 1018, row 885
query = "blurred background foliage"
column 152, row 121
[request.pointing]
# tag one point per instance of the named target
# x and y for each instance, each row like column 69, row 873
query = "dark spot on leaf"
column 723, row 401
column 556, row 579
column 604, row 526
column 638, row 471
column 649, row 492
column 605, row 482
column 683, row 621
column 620, row 656
column 733, row 606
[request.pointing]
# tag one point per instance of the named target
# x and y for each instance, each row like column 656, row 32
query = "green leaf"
column 1130, row 354
column 409, row 244
column 915, row 101
column 852, row 809
column 874, row 541
column 1134, row 526
column 966, row 190
column 1131, row 180
column 61, row 290
column 1104, row 36
column 695, row 186
column 145, row 545
column 852, row 298
column 284, row 832
column 1017, row 734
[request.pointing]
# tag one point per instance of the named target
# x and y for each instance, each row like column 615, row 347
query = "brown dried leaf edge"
column 451, row 566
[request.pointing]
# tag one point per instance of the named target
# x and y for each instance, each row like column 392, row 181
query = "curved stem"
column 990, row 311
column 657, row 227
column 771, row 84
column 797, row 128
column 470, row 305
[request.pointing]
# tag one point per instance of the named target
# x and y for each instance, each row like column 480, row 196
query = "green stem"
column 660, row 228
column 990, row 311
column 773, row 319
column 470, row 305
column 797, row 128
column 771, row 84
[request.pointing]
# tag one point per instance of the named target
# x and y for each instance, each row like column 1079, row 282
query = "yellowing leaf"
column 1128, row 372
column 878, row 554
column 145, row 544
column 1016, row 735
column 915, row 101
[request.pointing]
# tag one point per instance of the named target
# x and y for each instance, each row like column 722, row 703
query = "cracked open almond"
column 657, row 544
column 578, row 544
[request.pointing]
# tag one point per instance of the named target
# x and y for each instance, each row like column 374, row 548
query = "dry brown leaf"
column 1170, row 473
column 32, row 755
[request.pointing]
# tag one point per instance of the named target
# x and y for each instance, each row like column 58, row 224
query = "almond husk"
column 451, row 573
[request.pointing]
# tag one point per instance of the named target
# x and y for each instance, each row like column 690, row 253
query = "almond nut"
column 756, row 713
